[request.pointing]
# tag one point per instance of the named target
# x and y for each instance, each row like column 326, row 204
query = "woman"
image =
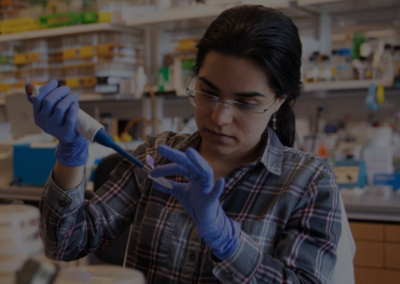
column 245, row 207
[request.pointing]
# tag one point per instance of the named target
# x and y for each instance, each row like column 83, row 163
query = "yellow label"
column 105, row 49
column 104, row 17
column 20, row 59
column 70, row 53
column 368, row 74
column 90, row 82
column 5, row 87
column 380, row 94
column 86, row 51
column 34, row 56
column 72, row 82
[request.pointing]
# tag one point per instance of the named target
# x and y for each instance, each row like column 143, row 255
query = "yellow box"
column 106, row 49
column 72, row 82
column 70, row 53
column 90, row 82
column 104, row 17
column 188, row 44
column 20, row 59
column 33, row 56
column 19, row 25
column 5, row 87
column 86, row 51
column 83, row 82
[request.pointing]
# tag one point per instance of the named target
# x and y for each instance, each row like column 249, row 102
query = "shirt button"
column 192, row 256
column 62, row 203
column 228, row 275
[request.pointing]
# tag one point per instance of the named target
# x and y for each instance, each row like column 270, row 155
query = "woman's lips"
column 219, row 136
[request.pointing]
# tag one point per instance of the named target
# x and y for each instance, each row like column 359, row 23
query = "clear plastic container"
column 385, row 66
column 344, row 68
column 335, row 59
column 312, row 71
column 19, row 236
column 325, row 71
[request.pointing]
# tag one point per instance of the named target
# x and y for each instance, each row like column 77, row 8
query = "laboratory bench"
column 375, row 225
column 374, row 221
column 360, row 207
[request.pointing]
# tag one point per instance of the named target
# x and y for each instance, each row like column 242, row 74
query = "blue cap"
column 344, row 51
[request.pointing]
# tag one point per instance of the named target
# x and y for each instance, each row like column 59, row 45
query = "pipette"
column 92, row 130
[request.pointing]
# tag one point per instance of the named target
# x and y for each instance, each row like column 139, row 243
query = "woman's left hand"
column 199, row 197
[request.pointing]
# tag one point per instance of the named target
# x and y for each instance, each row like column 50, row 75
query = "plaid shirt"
column 287, row 203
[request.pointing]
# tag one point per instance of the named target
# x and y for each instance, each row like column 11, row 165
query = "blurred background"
column 130, row 62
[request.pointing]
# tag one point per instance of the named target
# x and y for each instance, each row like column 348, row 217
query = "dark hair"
column 270, row 39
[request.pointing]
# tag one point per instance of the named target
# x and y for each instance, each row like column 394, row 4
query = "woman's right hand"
column 56, row 111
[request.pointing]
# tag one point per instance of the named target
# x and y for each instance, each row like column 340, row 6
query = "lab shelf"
column 354, row 85
column 316, row 2
column 96, row 97
column 70, row 30
column 175, row 15
column 184, row 18
column 345, row 85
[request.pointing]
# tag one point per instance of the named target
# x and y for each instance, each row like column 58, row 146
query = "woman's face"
column 228, row 130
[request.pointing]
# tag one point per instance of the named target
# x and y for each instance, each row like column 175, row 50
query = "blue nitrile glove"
column 200, row 198
column 56, row 111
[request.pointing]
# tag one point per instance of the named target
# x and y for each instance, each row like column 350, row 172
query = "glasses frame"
column 191, row 94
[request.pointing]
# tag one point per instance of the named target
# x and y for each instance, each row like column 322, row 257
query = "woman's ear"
column 281, row 100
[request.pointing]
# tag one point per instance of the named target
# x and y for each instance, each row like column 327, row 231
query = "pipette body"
column 92, row 130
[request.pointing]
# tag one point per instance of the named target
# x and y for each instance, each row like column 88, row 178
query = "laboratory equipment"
column 386, row 67
column 45, row 272
column 104, row 274
column 19, row 239
column 344, row 68
column 92, row 130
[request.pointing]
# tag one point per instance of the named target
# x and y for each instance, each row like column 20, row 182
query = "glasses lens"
column 243, row 108
column 203, row 101
column 209, row 102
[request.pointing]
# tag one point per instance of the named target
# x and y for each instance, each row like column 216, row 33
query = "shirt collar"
column 271, row 158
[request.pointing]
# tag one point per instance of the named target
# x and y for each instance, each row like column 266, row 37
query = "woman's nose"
column 222, row 113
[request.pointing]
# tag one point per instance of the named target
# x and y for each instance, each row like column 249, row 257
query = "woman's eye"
column 246, row 105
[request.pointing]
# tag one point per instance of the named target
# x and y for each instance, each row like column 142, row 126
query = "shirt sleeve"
column 76, row 222
column 305, row 252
